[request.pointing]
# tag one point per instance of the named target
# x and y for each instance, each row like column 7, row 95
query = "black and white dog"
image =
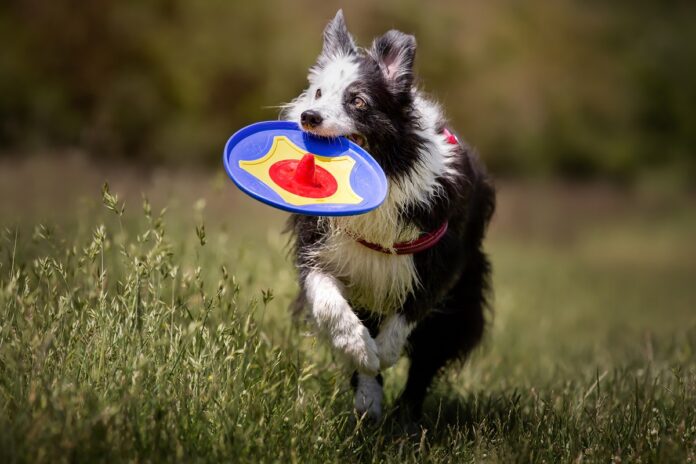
column 410, row 275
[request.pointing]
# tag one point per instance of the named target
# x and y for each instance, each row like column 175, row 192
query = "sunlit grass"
column 143, row 336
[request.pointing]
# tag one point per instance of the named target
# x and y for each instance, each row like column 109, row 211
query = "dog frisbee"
column 279, row 164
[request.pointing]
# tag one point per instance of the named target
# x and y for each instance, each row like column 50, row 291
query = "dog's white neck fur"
column 376, row 281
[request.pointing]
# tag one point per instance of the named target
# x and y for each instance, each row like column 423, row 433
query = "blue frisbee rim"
column 266, row 195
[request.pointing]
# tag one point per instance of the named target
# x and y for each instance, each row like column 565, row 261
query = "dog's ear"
column 395, row 52
column 337, row 39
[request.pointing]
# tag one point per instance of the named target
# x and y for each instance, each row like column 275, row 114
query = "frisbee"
column 279, row 164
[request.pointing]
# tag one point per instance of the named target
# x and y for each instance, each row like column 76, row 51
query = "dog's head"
column 365, row 95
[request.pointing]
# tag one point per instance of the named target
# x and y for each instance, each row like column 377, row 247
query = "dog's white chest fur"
column 373, row 280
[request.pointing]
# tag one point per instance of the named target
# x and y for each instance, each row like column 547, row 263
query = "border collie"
column 410, row 275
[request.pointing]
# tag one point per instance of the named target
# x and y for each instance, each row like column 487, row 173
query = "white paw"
column 368, row 397
column 360, row 348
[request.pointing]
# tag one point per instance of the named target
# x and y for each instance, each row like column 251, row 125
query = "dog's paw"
column 368, row 398
column 360, row 348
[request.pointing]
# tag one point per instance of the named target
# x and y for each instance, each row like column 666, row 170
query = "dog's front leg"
column 391, row 339
column 336, row 319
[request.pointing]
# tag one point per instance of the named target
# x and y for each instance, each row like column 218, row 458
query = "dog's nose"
column 311, row 118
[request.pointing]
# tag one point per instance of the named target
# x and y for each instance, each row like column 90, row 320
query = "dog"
column 411, row 275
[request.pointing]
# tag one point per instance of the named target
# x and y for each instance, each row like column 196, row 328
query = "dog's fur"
column 371, row 305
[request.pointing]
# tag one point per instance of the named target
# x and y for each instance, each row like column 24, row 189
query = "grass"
column 148, row 336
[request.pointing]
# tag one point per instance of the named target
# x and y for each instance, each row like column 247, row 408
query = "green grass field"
column 144, row 336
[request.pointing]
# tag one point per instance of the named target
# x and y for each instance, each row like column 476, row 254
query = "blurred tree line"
column 578, row 88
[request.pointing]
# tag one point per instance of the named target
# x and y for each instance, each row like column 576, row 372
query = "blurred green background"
column 570, row 88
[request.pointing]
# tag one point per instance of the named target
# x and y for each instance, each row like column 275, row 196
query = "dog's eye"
column 358, row 102
column 317, row 94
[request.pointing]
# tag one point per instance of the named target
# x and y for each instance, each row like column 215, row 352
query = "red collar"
column 422, row 243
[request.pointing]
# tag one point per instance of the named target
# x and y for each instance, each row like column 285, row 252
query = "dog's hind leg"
column 442, row 337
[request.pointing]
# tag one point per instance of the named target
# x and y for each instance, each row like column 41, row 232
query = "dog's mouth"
column 358, row 139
